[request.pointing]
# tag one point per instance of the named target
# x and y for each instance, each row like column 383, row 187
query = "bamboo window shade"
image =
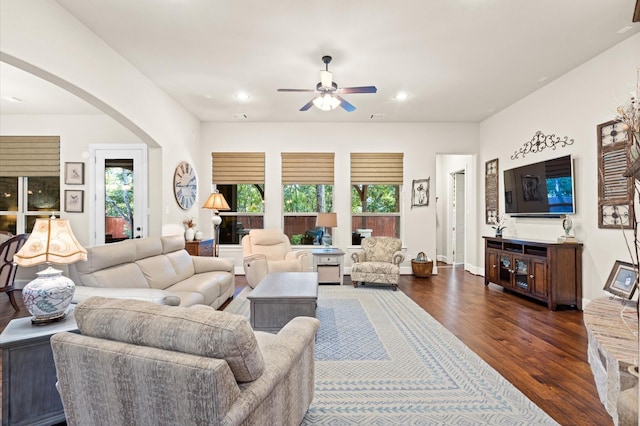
column 231, row 168
column 29, row 156
column 307, row 168
column 377, row 168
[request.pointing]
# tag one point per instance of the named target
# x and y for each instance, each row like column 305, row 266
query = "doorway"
column 119, row 210
column 457, row 209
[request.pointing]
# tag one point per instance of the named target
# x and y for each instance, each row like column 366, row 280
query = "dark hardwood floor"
column 543, row 353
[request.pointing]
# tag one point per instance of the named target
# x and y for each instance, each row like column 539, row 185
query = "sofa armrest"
column 211, row 264
column 398, row 258
column 358, row 256
column 154, row 295
column 256, row 267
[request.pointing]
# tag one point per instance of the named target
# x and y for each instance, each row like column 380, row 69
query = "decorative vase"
column 198, row 235
column 567, row 225
column 498, row 232
column 48, row 296
column 189, row 234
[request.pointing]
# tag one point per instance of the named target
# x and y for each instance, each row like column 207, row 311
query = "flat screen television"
column 544, row 189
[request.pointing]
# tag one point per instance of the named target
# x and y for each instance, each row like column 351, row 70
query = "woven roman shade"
column 29, row 156
column 384, row 168
column 231, row 168
column 307, row 168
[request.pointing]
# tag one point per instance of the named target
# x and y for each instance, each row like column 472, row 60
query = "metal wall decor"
column 491, row 191
column 615, row 191
column 540, row 142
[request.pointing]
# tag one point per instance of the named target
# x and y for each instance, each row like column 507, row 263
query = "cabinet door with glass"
column 506, row 270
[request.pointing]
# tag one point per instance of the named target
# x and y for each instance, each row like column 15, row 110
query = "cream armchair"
column 378, row 261
column 269, row 250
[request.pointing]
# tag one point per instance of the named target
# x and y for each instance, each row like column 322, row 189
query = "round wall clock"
column 185, row 185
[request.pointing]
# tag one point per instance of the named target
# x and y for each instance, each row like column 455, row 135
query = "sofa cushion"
column 127, row 275
column 172, row 243
column 201, row 331
column 106, row 256
column 209, row 284
column 147, row 247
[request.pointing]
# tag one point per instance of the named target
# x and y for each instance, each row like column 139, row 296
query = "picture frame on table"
column 74, row 201
column 622, row 280
column 74, row 173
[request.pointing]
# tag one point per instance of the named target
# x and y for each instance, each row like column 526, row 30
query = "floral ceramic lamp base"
column 48, row 296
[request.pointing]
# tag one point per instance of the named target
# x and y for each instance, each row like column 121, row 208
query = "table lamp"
column 216, row 202
column 48, row 296
column 326, row 220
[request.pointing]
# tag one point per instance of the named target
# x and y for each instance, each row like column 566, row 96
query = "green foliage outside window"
column 250, row 198
column 308, row 198
column 375, row 198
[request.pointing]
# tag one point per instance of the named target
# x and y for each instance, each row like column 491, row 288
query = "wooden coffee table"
column 282, row 296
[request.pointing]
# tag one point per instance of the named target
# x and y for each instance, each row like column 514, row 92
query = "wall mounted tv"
column 544, row 189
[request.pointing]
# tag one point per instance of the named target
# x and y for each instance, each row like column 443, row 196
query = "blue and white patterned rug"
column 382, row 360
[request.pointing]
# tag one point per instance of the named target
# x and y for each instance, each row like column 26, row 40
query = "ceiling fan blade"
column 326, row 78
column 307, row 105
column 296, row 90
column 345, row 105
column 361, row 89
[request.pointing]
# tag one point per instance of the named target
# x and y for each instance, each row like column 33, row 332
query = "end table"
column 29, row 394
column 327, row 262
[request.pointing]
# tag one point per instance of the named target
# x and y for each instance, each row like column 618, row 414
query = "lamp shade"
column 50, row 241
column 216, row 201
column 328, row 220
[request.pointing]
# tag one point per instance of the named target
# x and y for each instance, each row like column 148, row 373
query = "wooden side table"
column 199, row 248
column 29, row 394
column 327, row 262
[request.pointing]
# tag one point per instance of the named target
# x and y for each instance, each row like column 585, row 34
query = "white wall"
column 77, row 60
column 573, row 105
column 418, row 142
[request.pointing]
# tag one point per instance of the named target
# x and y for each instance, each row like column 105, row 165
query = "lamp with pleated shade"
column 216, row 202
column 48, row 296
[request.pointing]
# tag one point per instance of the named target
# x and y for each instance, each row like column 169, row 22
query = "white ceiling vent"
column 378, row 116
column 240, row 116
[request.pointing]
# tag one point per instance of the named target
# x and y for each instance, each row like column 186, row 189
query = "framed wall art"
column 420, row 192
column 74, row 173
column 73, row 201
column 623, row 279
column 491, row 191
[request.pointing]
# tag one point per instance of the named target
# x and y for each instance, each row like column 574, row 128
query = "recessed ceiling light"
column 242, row 96
column 401, row 96
column 11, row 99
column 624, row 29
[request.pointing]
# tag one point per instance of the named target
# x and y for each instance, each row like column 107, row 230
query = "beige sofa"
column 162, row 365
column 155, row 269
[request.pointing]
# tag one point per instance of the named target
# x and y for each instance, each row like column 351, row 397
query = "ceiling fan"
column 328, row 92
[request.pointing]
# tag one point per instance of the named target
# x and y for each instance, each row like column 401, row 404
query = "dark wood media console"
column 547, row 271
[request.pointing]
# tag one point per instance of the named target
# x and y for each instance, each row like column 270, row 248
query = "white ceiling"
column 459, row 60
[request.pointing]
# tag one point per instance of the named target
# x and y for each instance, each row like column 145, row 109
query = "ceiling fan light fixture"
column 326, row 102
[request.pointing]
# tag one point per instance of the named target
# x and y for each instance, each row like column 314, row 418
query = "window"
column 307, row 188
column 239, row 176
column 29, row 185
column 25, row 199
column 376, row 180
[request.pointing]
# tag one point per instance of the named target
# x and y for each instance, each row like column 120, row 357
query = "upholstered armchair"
column 378, row 261
column 269, row 250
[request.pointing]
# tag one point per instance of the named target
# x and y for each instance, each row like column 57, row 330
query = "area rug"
column 383, row 360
